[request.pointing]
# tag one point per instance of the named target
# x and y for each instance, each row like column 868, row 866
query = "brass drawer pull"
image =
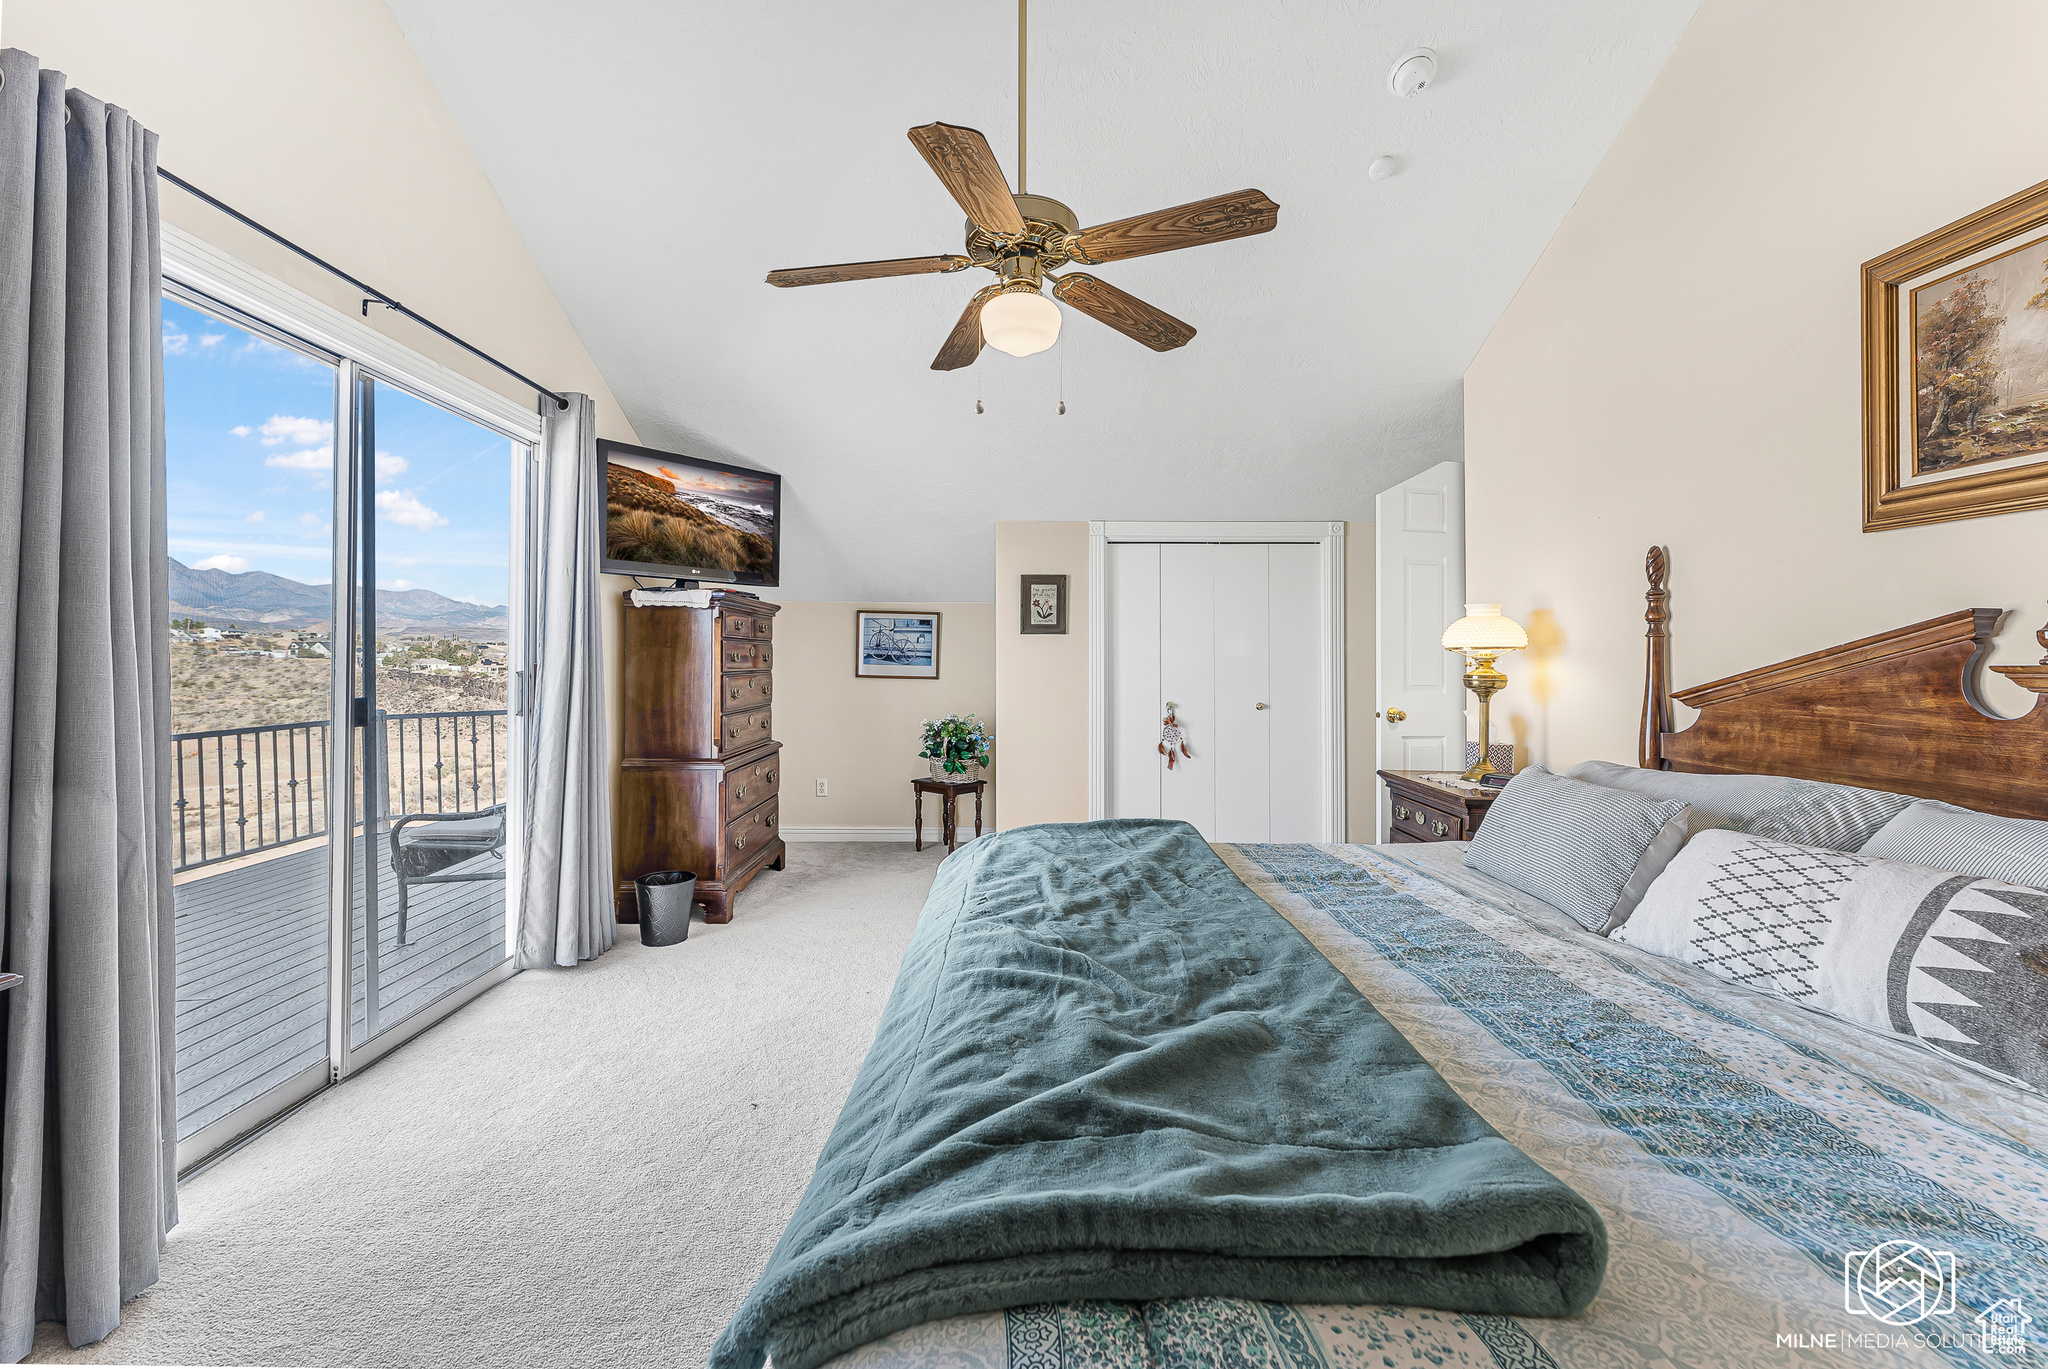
column 770, row 820
column 771, row 777
column 1402, row 813
column 1438, row 827
column 739, row 843
column 740, row 793
column 735, row 691
column 764, row 722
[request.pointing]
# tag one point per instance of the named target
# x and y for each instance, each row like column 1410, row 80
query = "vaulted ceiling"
column 661, row 157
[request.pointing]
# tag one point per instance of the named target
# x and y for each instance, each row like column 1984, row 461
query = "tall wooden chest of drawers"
column 702, row 766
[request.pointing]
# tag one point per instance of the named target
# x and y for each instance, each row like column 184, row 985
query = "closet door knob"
column 1260, row 707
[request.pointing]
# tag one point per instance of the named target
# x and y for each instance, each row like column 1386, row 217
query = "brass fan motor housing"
column 1050, row 231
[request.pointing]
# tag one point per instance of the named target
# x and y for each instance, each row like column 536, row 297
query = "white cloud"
column 210, row 339
column 256, row 517
column 240, row 430
column 401, row 507
column 319, row 462
column 305, row 432
column 394, row 584
column 311, row 520
column 390, row 464
column 174, row 344
column 237, row 564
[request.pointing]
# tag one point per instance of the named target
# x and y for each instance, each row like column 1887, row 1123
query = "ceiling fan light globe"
column 1020, row 323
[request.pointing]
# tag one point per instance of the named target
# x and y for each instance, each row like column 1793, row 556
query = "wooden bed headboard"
column 1899, row 711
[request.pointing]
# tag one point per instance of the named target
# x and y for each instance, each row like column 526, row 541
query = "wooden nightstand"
column 1427, row 811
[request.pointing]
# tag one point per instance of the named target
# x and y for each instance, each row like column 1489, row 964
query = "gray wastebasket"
column 665, row 898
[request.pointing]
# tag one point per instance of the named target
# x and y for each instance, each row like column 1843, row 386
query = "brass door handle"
column 1395, row 715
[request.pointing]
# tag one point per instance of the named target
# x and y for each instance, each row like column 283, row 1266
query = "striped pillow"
column 1839, row 817
column 1584, row 849
column 1945, row 837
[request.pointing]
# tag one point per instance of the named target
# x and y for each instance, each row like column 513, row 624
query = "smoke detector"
column 1412, row 73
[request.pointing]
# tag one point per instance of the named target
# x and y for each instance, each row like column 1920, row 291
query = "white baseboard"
column 932, row 833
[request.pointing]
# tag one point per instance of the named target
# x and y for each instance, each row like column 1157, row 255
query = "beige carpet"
column 584, row 1166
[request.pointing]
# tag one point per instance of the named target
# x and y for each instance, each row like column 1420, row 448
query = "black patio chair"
column 443, row 840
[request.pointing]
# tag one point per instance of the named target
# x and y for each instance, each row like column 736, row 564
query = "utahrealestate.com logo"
column 1899, row 1282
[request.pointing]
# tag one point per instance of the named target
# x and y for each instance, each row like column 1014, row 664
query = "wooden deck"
column 252, row 969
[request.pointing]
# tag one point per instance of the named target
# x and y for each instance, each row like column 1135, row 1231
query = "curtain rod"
column 372, row 295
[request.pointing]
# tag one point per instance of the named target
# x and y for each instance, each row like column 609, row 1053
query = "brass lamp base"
column 1485, row 681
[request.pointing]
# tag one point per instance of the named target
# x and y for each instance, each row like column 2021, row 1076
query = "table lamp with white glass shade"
column 1483, row 634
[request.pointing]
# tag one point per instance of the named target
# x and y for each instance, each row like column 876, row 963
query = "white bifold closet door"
column 1228, row 633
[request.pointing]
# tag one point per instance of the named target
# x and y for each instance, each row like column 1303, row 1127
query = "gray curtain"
column 88, row 1145
column 566, row 913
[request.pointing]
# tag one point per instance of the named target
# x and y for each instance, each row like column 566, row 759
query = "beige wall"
column 862, row 736
column 1041, row 680
column 1681, row 366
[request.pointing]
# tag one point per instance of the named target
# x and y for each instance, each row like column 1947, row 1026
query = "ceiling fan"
column 1021, row 238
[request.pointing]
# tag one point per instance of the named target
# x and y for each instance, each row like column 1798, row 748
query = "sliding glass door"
column 344, row 626
column 433, row 741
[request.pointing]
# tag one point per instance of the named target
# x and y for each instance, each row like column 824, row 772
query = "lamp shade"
column 1483, row 628
column 1021, row 322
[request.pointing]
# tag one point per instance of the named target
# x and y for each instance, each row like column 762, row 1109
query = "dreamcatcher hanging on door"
column 1173, row 742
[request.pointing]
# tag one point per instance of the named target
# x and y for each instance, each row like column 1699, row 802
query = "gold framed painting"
column 1955, row 370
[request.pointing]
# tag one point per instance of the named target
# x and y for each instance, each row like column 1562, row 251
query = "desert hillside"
column 211, row 689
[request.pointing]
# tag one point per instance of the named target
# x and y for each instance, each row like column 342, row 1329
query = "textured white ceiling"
column 660, row 158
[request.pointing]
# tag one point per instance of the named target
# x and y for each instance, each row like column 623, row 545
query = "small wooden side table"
column 1424, row 810
column 949, row 792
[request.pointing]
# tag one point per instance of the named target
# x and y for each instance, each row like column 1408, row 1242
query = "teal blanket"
column 1109, row 1070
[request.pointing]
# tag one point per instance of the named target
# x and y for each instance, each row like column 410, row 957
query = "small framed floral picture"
column 1042, row 604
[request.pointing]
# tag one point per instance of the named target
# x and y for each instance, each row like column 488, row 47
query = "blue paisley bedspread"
column 1780, row 1187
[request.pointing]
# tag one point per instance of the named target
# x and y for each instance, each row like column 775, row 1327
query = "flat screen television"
column 689, row 519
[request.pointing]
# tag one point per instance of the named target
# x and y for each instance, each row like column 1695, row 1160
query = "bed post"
column 1657, row 667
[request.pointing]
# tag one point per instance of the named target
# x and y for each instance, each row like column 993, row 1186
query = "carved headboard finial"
column 1657, row 665
column 2042, row 638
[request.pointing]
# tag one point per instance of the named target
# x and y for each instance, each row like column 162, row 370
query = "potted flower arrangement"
column 956, row 746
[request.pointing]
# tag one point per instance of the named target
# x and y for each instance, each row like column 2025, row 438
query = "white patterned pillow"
column 1946, row 958
column 1586, row 850
column 1967, row 842
column 1840, row 817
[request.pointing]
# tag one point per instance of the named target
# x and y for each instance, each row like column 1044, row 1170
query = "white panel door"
column 1296, row 715
column 1187, row 678
column 1420, row 536
column 1239, row 755
column 1135, row 764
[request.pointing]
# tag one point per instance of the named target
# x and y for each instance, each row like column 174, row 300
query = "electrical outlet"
column 821, row 789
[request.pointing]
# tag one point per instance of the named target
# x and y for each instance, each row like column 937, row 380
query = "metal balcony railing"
column 238, row 791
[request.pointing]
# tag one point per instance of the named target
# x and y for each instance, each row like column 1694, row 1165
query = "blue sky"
column 250, row 438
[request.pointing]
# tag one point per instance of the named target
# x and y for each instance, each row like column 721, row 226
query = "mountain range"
column 255, row 598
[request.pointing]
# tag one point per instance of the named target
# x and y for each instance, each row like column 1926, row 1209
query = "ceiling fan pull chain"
column 1063, row 371
column 977, row 392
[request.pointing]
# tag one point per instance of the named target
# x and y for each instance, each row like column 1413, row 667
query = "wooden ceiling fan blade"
column 866, row 270
column 1125, row 312
column 1217, row 219
column 962, row 159
column 963, row 344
